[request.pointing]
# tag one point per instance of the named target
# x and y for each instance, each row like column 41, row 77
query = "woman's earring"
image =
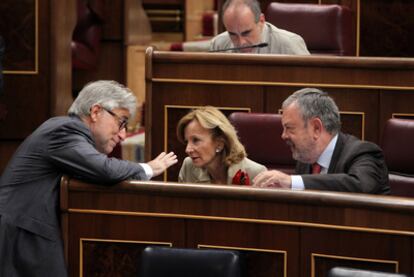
column 218, row 150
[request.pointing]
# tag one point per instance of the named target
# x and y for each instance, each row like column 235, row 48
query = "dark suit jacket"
column 29, row 192
column 356, row 166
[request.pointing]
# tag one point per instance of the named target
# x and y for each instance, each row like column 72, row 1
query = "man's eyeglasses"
column 123, row 122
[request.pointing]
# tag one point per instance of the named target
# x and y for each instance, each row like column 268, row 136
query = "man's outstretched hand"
column 162, row 162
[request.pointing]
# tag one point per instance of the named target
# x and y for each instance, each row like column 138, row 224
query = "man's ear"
column 95, row 110
column 262, row 20
column 317, row 127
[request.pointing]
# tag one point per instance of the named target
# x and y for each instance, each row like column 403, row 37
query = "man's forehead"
column 122, row 112
column 291, row 113
column 239, row 16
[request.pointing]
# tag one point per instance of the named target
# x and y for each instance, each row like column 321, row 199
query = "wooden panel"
column 111, row 245
column 37, row 67
column 267, row 248
column 26, row 73
column 115, row 258
column 386, row 28
column 63, row 21
column 114, row 21
column 25, row 100
column 135, row 79
column 194, row 10
column 281, row 232
column 111, row 66
column 111, row 63
column 19, row 30
column 384, row 252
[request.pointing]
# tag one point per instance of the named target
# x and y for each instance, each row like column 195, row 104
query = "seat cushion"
column 352, row 272
column 260, row 133
column 165, row 261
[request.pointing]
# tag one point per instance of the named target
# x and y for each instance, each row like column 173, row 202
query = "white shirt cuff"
column 297, row 182
column 147, row 169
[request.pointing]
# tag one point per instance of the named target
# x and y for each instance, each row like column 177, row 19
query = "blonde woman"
column 215, row 154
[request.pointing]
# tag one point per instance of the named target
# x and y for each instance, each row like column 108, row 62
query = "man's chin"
column 297, row 157
column 109, row 150
column 246, row 51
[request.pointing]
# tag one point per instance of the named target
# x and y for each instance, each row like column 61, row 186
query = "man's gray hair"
column 254, row 6
column 108, row 94
column 312, row 103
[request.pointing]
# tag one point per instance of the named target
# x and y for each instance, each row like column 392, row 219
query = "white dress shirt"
column 324, row 161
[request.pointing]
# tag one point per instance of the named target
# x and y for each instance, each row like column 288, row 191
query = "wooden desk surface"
column 282, row 232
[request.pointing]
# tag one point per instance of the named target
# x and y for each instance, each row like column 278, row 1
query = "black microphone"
column 259, row 45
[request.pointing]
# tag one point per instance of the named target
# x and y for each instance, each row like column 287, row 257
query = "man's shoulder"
column 63, row 121
column 354, row 144
column 285, row 41
column 63, row 126
column 281, row 32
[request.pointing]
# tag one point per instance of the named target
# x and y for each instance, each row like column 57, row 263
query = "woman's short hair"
column 312, row 103
column 212, row 119
column 108, row 94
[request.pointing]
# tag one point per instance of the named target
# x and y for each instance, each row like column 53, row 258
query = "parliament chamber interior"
column 361, row 52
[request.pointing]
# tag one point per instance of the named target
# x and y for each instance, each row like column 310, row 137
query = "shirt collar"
column 264, row 37
column 326, row 156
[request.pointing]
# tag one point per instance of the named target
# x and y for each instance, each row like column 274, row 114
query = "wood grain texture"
column 283, row 232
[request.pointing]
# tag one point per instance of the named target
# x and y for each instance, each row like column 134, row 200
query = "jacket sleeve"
column 73, row 152
column 361, row 169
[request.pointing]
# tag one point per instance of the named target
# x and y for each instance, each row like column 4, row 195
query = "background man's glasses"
column 123, row 122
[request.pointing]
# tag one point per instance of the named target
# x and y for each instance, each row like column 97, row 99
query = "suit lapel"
column 337, row 152
column 303, row 168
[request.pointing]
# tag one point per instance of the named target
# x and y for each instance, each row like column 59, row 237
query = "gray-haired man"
column 76, row 145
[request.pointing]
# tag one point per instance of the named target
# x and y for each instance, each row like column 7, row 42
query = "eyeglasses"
column 123, row 122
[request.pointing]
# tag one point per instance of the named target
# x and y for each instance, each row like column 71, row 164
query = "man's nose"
column 122, row 134
column 242, row 40
column 284, row 136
